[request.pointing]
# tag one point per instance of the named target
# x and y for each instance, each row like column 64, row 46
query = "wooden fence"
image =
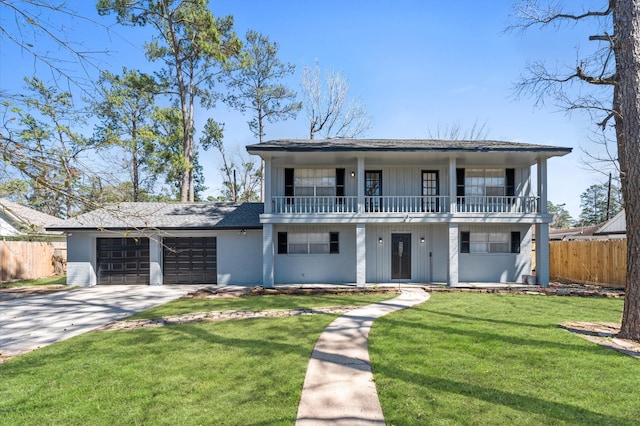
column 29, row 260
column 602, row 262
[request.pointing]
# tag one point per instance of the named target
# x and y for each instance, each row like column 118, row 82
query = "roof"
column 615, row 225
column 400, row 145
column 26, row 219
column 185, row 216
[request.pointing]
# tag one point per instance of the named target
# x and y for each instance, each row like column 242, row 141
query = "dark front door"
column 401, row 256
column 190, row 260
column 123, row 260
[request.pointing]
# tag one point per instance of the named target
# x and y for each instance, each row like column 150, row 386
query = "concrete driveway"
column 31, row 322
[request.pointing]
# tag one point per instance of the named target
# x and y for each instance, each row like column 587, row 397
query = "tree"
column 615, row 64
column 39, row 144
column 329, row 110
column 561, row 217
column 193, row 45
column 598, row 205
column 237, row 187
column 255, row 75
column 125, row 105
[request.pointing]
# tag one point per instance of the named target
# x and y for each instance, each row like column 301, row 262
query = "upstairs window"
column 314, row 182
column 485, row 183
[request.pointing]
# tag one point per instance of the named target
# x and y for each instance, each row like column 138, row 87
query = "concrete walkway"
column 28, row 323
column 338, row 388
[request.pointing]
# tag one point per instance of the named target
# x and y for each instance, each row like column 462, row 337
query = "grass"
column 58, row 279
column 501, row 359
column 223, row 373
column 183, row 306
column 456, row 359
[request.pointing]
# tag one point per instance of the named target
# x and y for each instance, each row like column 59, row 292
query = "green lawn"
column 457, row 359
column 58, row 279
column 486, row 359
column 223, row 373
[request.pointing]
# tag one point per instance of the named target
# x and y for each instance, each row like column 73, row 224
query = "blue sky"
column 417, row 65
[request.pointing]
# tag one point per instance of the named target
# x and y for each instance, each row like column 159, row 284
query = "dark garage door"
column 190, row 260
column 123, row 260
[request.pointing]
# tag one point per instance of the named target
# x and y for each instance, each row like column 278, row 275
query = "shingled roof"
column 402, row 145
column 26, row 219
column 185, row 216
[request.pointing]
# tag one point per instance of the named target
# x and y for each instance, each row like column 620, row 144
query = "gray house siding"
column 317, row 268
column 423, row 267
column 496, row 267
column 239, row 256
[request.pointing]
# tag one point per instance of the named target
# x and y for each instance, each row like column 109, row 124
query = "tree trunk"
column 626, row 24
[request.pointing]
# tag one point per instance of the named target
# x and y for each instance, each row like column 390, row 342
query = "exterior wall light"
column 380, row 240
column 242, row 232
column 421, row 240
column 353, row 174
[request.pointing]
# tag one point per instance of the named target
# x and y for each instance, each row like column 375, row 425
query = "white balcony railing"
column 328, row 204
column 497, row 204
column 404, row 204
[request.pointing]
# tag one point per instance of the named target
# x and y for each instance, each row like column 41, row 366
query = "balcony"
column 404, row 204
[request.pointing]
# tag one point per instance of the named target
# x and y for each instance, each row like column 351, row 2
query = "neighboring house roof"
column 614, row 228
column 399, row 145
column 167, row 216
column 24, row 220
column 615, row 225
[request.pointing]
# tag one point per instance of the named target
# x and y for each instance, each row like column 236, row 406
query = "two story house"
column 376, row 211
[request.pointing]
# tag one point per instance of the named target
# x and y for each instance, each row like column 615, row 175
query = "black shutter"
column 334, row 242
column 288, row 182
column 465, row 242
column 515, row 242
column 339, row 182
column 460, row 185
column 288, row 185
column 510, row 188
column 282, row 243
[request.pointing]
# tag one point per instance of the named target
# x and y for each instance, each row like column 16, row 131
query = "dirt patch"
column 213, row 292
column 604, row 334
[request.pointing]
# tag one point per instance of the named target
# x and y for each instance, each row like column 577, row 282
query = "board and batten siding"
column 317, row 268
column 496, row 267
column 240, row 257
column 424, row 269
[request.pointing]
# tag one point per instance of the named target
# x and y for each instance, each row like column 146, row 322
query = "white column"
column 155, row 260
column 452, row 185
column 452, row 278
column 267, row 255
column 360, row 191
column 267, row 185
column 542, row 229
column 542, row 185
column 361, row 255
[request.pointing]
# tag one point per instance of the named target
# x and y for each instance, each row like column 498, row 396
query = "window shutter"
column 510, row 177
column 339, row 182
column 282, row 243
column 460, row 182
column 288, row 185
column 334, row 243
column 465, row 242
column 515, row 242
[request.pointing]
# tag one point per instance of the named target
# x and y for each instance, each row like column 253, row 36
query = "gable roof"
column 129, row 215
column 402, row 145
column 26, row 219
column 615, row 225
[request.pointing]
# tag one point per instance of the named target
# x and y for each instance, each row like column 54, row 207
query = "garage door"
column 123, row 260
column 190, row 260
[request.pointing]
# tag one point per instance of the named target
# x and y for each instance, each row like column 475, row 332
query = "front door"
column 401, row 256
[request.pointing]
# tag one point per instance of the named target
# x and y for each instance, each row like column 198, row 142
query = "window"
column 484, row 183
column 430, row 191
column 489, row 242
column 314, row 182
column 308, row 243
